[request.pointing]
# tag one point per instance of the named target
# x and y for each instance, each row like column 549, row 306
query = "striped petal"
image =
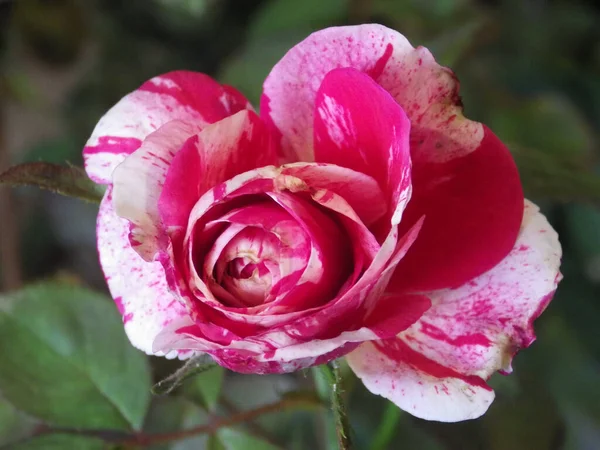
column 138, row 287
column 437, row 368
column 191, row 97
column 156, row 187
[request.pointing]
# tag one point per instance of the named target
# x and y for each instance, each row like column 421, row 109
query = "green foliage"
column 248, row 69
column 170, row 414
column 14, row 425
column 66, row 180
column 66, row 360
column 205, row 388
column 237, row 440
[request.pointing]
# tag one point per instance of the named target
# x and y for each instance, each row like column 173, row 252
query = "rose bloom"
column 360, row 215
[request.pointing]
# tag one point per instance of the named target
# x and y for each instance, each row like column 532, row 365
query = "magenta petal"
column 473, row 206
column 330, row 260
column 191, row 97
column 358, row 189
column 222, row 150
column 138, row 183
column 360, row 126
column 290, row 89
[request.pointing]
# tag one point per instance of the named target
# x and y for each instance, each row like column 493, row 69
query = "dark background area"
column 529, row 69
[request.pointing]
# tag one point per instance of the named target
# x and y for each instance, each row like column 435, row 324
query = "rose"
column 362, row 214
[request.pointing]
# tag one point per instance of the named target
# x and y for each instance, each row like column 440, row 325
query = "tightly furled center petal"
column 274, row 248
column 260, row 249
column 244, row 267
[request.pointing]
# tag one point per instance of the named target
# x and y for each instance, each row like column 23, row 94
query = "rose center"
column 248, row 279
column 245, row 268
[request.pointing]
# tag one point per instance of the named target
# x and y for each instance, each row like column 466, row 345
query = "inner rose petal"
column 242, row 269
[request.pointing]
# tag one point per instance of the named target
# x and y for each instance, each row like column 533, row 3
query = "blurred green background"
column 530, row 69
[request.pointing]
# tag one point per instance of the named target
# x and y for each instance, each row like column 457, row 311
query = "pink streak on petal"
column 330, row 261
column 138, row 183
column 360, row 126
column 187, row 96
column 418, row 385
column 360, row 190
column 429, row 94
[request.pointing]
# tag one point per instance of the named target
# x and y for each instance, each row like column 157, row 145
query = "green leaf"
column 549, row 123
column 567, row 369
column 214, row 443
column 451, row 46
column 232, row 439
column 65, row 180
column 205, row 388
column 66, row 359
column 61, row 442
column 504, row 420
column 14, row 425
column 55, row 151
column 172, row 414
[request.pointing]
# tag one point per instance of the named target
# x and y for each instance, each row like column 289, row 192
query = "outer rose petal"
column 477, row 328
column 473, row 207
column 234, row 145
column 191, row 97
column 418, row 385
column 436, row 368
column 462, row 173
column 138, row 287
column 138, row 183
column 427, row 92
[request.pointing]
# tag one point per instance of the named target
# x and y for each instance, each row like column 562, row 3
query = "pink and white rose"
column 360, row 214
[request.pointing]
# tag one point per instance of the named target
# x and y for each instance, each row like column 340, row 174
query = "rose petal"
column 473, row 207
column 418, row 385
column 360, row 126
column 138, row 287
column 436, row 368
column 294, row 249
column 155, row 189
column 330, row 261
column 360, row 190
column 191, row 97
column 234, row 145
column 138, row 183
column 410, row 75
column 477, row 328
